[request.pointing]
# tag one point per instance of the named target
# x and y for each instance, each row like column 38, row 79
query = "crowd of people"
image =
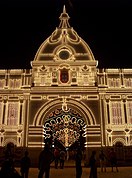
column 58, row 156
column 104, row 159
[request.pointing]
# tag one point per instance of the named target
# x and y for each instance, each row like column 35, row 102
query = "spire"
column 64, row 9
column 64, row 17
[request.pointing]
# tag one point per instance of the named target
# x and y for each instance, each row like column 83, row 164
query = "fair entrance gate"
column 65, row 129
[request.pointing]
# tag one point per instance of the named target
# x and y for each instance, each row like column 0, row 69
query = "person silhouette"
column 78, row 159
column 45, row 159
column 25, row 165
column 93, row 166
column 102, row 158
column 62, row 158
column 113, row 159
column 7, row 168
column 56, row 156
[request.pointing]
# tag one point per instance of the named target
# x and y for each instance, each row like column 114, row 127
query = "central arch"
column 78, row 113
column 51, row 105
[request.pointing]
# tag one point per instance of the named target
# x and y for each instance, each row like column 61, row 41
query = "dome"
column 64, row 44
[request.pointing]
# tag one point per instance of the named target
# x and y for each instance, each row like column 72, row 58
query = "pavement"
column 69, row 172
column 124, row 172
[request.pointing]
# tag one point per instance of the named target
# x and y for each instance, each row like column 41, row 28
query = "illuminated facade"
column 64, row 97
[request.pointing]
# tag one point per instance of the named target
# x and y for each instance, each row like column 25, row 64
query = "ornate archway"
column 78, row 106
column 62, row 112
column 65, row 128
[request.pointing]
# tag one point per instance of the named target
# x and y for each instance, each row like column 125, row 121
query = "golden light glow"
column 64, row 75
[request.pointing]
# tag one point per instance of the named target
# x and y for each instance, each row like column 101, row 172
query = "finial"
column 64, row 9
column 64, row 17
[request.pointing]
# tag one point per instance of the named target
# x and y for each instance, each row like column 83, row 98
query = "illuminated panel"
column 92, row 97
column 14, row 83
column 128, row 82
column 116, row 113
column 13, row 113
column 129, row 112
column 93, row 135
column 2, row 83
column 1, row 112
column 13, row 97
column 115, row 97
column 92, row 144
column 36, row 137
column 77, row 97
column 129, row 96
column 51, row 97
column 92, row 131
column 114, row 82
column 36, row 97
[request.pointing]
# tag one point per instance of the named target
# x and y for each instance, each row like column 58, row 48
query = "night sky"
column 106, row 25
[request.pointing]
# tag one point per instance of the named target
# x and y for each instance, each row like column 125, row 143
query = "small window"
column 64, row 54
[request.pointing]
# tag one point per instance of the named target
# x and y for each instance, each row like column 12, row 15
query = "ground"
column 69, row 172
column 124, row 172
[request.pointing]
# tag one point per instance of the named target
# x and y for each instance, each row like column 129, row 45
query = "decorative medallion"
column 64, row 75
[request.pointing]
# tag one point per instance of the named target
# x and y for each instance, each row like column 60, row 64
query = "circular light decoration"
column 64, row 54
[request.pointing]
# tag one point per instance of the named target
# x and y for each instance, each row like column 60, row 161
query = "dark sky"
column 106, row 25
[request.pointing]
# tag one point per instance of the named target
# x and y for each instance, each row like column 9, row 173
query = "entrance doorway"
column 65, row 129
